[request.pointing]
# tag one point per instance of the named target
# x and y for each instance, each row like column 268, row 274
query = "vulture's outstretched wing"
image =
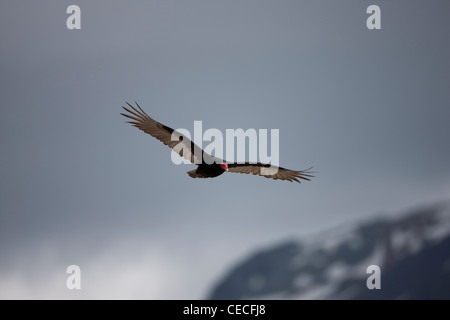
column 182, row 145
column 268, row 171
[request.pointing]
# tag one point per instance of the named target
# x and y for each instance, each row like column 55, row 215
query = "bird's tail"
column 193, row 173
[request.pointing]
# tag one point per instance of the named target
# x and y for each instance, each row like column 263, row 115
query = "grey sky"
column 369, row 110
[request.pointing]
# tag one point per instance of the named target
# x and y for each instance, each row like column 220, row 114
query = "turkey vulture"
column 206, row 169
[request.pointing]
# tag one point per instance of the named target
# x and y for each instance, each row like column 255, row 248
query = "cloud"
column 116, row 272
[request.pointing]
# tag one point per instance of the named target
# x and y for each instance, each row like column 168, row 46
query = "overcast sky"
column 369, row 109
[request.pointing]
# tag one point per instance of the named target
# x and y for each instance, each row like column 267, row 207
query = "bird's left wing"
column 171, row 138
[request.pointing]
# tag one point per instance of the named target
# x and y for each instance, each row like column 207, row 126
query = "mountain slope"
column 412, row 251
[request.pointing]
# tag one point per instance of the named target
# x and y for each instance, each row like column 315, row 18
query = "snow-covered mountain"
column 412, row 251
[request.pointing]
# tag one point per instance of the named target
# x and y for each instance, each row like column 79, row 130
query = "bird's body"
column 206, row 168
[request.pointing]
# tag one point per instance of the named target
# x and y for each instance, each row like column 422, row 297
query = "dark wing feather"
column 268, row 171
column 142, row 121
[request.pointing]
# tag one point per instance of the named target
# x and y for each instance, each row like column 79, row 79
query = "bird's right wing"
column 171, row 138
column 268, row 171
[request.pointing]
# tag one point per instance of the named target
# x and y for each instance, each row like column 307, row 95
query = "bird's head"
column 224, row 166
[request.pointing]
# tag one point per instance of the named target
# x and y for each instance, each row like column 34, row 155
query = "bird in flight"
column 213, row 167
